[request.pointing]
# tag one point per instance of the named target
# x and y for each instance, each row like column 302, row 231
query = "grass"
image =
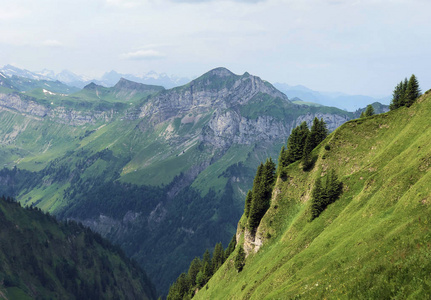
column 372, row 243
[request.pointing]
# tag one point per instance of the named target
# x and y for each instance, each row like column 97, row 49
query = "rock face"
column 15, row 102
column 223, row 95
column 217, row 89
column 60, row 114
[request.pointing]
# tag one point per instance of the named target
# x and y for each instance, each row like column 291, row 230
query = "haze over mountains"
column 336, row 99
column 108, row 79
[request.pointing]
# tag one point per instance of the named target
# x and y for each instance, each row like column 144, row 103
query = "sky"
column 356, row 47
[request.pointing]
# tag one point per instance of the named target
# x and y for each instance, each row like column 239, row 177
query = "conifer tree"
column 403, row 92
column 206, row 260
column 316, row 205
column 282, row 160
column 397, row 96
column 261, row 193
column 369, row 111
column 322, row 132
column 333, row 187
column 325, row 193
column 231, row 247
column 248, row 199
column 240, row 259
column 296, row 143
column 412, row 91
column 207, row 272
column 195, row 267
column 218, row 257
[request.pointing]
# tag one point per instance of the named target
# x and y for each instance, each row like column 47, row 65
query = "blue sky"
column 357, row 47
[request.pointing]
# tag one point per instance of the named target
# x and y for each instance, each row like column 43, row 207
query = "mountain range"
column 109, row 79
column 161, row 172
column 336, row 99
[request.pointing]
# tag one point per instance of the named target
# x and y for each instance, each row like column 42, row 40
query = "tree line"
column 258, row 199
column 405, row 93
column 200, row 272
column 300, row 144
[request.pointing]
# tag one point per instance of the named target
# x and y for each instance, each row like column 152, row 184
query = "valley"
column 163, row 173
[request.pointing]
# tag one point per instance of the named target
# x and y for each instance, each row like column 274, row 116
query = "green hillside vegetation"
column 373, row 242
column 153, row 187
column 42, row 258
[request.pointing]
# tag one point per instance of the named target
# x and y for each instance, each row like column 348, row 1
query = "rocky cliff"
column 61, row 114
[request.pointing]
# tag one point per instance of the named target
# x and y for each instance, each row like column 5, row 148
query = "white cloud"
column 148, row 54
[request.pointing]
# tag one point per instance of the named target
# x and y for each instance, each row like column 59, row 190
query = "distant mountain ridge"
column 108, row 79
column 336, row 99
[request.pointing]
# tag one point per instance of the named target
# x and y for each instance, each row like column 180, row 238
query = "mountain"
column 42, row 258
column 10, row 71
column 150, row 78
column 336, row 99
column 108, row 79
column 371, row 243
column 162, row 173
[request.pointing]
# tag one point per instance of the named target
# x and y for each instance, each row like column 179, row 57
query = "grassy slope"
column 374, row 242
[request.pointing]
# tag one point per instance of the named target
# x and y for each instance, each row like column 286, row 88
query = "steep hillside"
column 164, row 173
column 44, row 259
column 371, row 243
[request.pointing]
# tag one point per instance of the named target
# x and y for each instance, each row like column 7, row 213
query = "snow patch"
column 2, row 75
column 48, row 92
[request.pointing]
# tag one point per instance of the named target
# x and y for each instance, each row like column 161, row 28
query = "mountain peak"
column 220, row 72
column 91, row 86
column 124, row 83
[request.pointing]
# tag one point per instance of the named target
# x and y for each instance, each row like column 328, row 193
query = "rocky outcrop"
column 60, row 114
column 217, row 89
column 229, row 127
column 15, row 102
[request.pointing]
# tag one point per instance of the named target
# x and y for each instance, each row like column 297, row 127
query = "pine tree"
column 247, row 206
column 296, row 143
column 206, row 263
column 195, row 267
column 333, row 187
column 240, row 259
column 307, row 160
column 218, row 257
column 403, row 92
column 316, row 204
column 231, row 247
column 397, row 96
column 325, row 193
column 369, row 111
column 322, row 132
column 412, row 91
column 261, row 193
column 282, row 162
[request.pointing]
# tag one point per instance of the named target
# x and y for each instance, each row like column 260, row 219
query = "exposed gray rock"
column 16, row 102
